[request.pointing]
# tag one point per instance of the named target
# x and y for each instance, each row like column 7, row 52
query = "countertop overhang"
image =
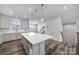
column 35, row 38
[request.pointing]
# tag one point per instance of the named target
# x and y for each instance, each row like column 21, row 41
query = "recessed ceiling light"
column 30, row 9
column 42, row 19
column 11, row 12
column 65, row 7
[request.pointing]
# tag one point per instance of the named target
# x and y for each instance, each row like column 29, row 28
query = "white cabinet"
column 7, row 37
column 25, row 45
column 4, row 23
column 77, row 26
column 36, row 43
column 11, row 36
column 24, row 23
column 1, row 38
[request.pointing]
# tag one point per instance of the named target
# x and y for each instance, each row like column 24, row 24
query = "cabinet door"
column 6, row 37
column 4, row 23
column 25, row 45
column 24, row 23
column 1, row 38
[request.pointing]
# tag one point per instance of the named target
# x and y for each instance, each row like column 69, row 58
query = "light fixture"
column 42, row 19
column 65, row 7
column 42, row 12
column 30, row 9
column 11, row 12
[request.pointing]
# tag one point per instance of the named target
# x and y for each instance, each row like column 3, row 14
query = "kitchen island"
column 34, row 43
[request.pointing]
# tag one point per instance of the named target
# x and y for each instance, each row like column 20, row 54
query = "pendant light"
column 42, row 12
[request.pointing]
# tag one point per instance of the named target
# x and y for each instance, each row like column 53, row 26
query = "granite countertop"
column 9, row 32
column 35, row 38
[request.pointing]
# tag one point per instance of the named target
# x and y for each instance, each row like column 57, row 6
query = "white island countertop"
column 35, row 38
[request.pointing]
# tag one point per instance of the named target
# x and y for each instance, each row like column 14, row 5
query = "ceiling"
column 68, row 12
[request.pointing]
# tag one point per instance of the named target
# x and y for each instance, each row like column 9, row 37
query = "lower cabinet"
column 9, row 36
column 1, row 38
column 31, row 49
column 25, row 45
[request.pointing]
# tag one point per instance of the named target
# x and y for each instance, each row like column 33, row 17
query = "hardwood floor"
column 78, row 43
column 51, row 48
column 12, row 48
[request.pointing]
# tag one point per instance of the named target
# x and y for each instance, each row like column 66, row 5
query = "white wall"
column 54, row 27
column 69, row 34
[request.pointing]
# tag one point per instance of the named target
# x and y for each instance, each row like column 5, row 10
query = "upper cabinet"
column 24, row 24
column 13, row 23
column 4, row 22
